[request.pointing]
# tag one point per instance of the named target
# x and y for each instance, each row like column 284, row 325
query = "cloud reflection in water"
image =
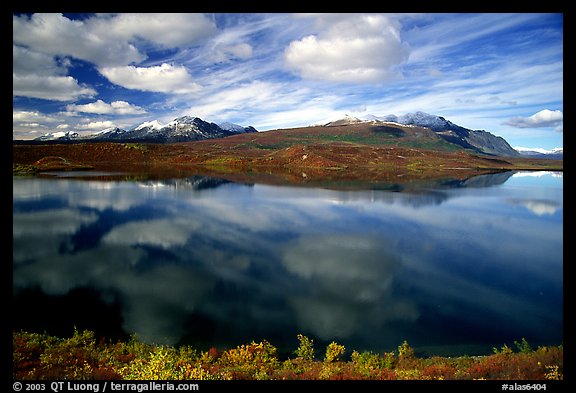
column 371, row 266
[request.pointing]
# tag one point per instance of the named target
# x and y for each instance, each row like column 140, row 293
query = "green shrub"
column 305, row 350
column 505, row 350
column 253, row 361
column 333, row 352
column 523, row 346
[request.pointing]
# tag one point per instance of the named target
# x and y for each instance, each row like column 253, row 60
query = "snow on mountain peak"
column 347, row 119
column 154, row 124
column 58, row 135
column 231, row 127
column 556, row 150
column 238, row 129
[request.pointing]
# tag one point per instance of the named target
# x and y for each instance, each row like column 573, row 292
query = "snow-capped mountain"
column 477, row 140
column 150, row 125
column 112, row 133
column 181, row 129
column 554, row 154
column 421, row 119
column 480, row 140
column 236, row 128
column 347, row 119
column 59, row 136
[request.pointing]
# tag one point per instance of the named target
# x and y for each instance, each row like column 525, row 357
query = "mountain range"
column 433, row 127
column 181, row 129
column 554, row 154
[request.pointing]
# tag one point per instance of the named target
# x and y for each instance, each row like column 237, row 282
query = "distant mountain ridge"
column 181, row 129
column 554, row 154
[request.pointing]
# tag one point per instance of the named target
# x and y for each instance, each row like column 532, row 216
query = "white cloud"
column 26, row 62
column 351, row 48
column 109, row 40
column 38, row 75
column 57, row 88
column 101, row 107
column 237, row 99
column 544, row 118
column 28, row 124
column 54, row 34
column 167, row 29
column 19, row 116
column 96, row 125
column 265, row 105
column 223, row 53
column 43, row 41
column 165, row 78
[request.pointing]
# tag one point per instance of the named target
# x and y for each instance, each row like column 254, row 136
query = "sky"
column 502, row 73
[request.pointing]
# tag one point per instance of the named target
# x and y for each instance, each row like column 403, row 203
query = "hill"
column 415, row 129
column 365, row 150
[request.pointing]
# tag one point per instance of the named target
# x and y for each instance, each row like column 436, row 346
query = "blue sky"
column 85, row 72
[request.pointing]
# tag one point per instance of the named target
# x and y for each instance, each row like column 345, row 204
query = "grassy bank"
column 41, row 356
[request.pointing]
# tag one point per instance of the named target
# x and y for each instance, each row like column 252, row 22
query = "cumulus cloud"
column 44, row 43
column 39, row 75
column 165, row 78
column 96, row 125
column 166, row 29
column 25, row 61
column 101, row 107
column 19, row 116
column 57, row 88
column 544, row 118
column 54, row 34
column 351, row 48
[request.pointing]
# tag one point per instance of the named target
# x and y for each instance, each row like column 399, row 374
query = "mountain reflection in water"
column 450, row 266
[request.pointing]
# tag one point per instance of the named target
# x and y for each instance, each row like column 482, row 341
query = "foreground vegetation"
column 41, row 356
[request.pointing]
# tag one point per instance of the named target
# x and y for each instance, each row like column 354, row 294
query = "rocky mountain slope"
column 476, row 140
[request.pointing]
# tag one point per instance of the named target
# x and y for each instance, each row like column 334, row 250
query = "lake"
column 453, row 267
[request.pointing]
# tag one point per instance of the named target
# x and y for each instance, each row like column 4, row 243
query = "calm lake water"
column 457, row 267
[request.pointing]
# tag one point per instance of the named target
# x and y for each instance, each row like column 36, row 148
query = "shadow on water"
column 35, row 311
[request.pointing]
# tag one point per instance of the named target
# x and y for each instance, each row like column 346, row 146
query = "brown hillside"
column 357, row 151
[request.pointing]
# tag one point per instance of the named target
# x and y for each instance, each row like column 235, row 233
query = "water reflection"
column 203, row 260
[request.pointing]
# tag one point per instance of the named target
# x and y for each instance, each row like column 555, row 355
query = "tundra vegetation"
column 38, row 356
